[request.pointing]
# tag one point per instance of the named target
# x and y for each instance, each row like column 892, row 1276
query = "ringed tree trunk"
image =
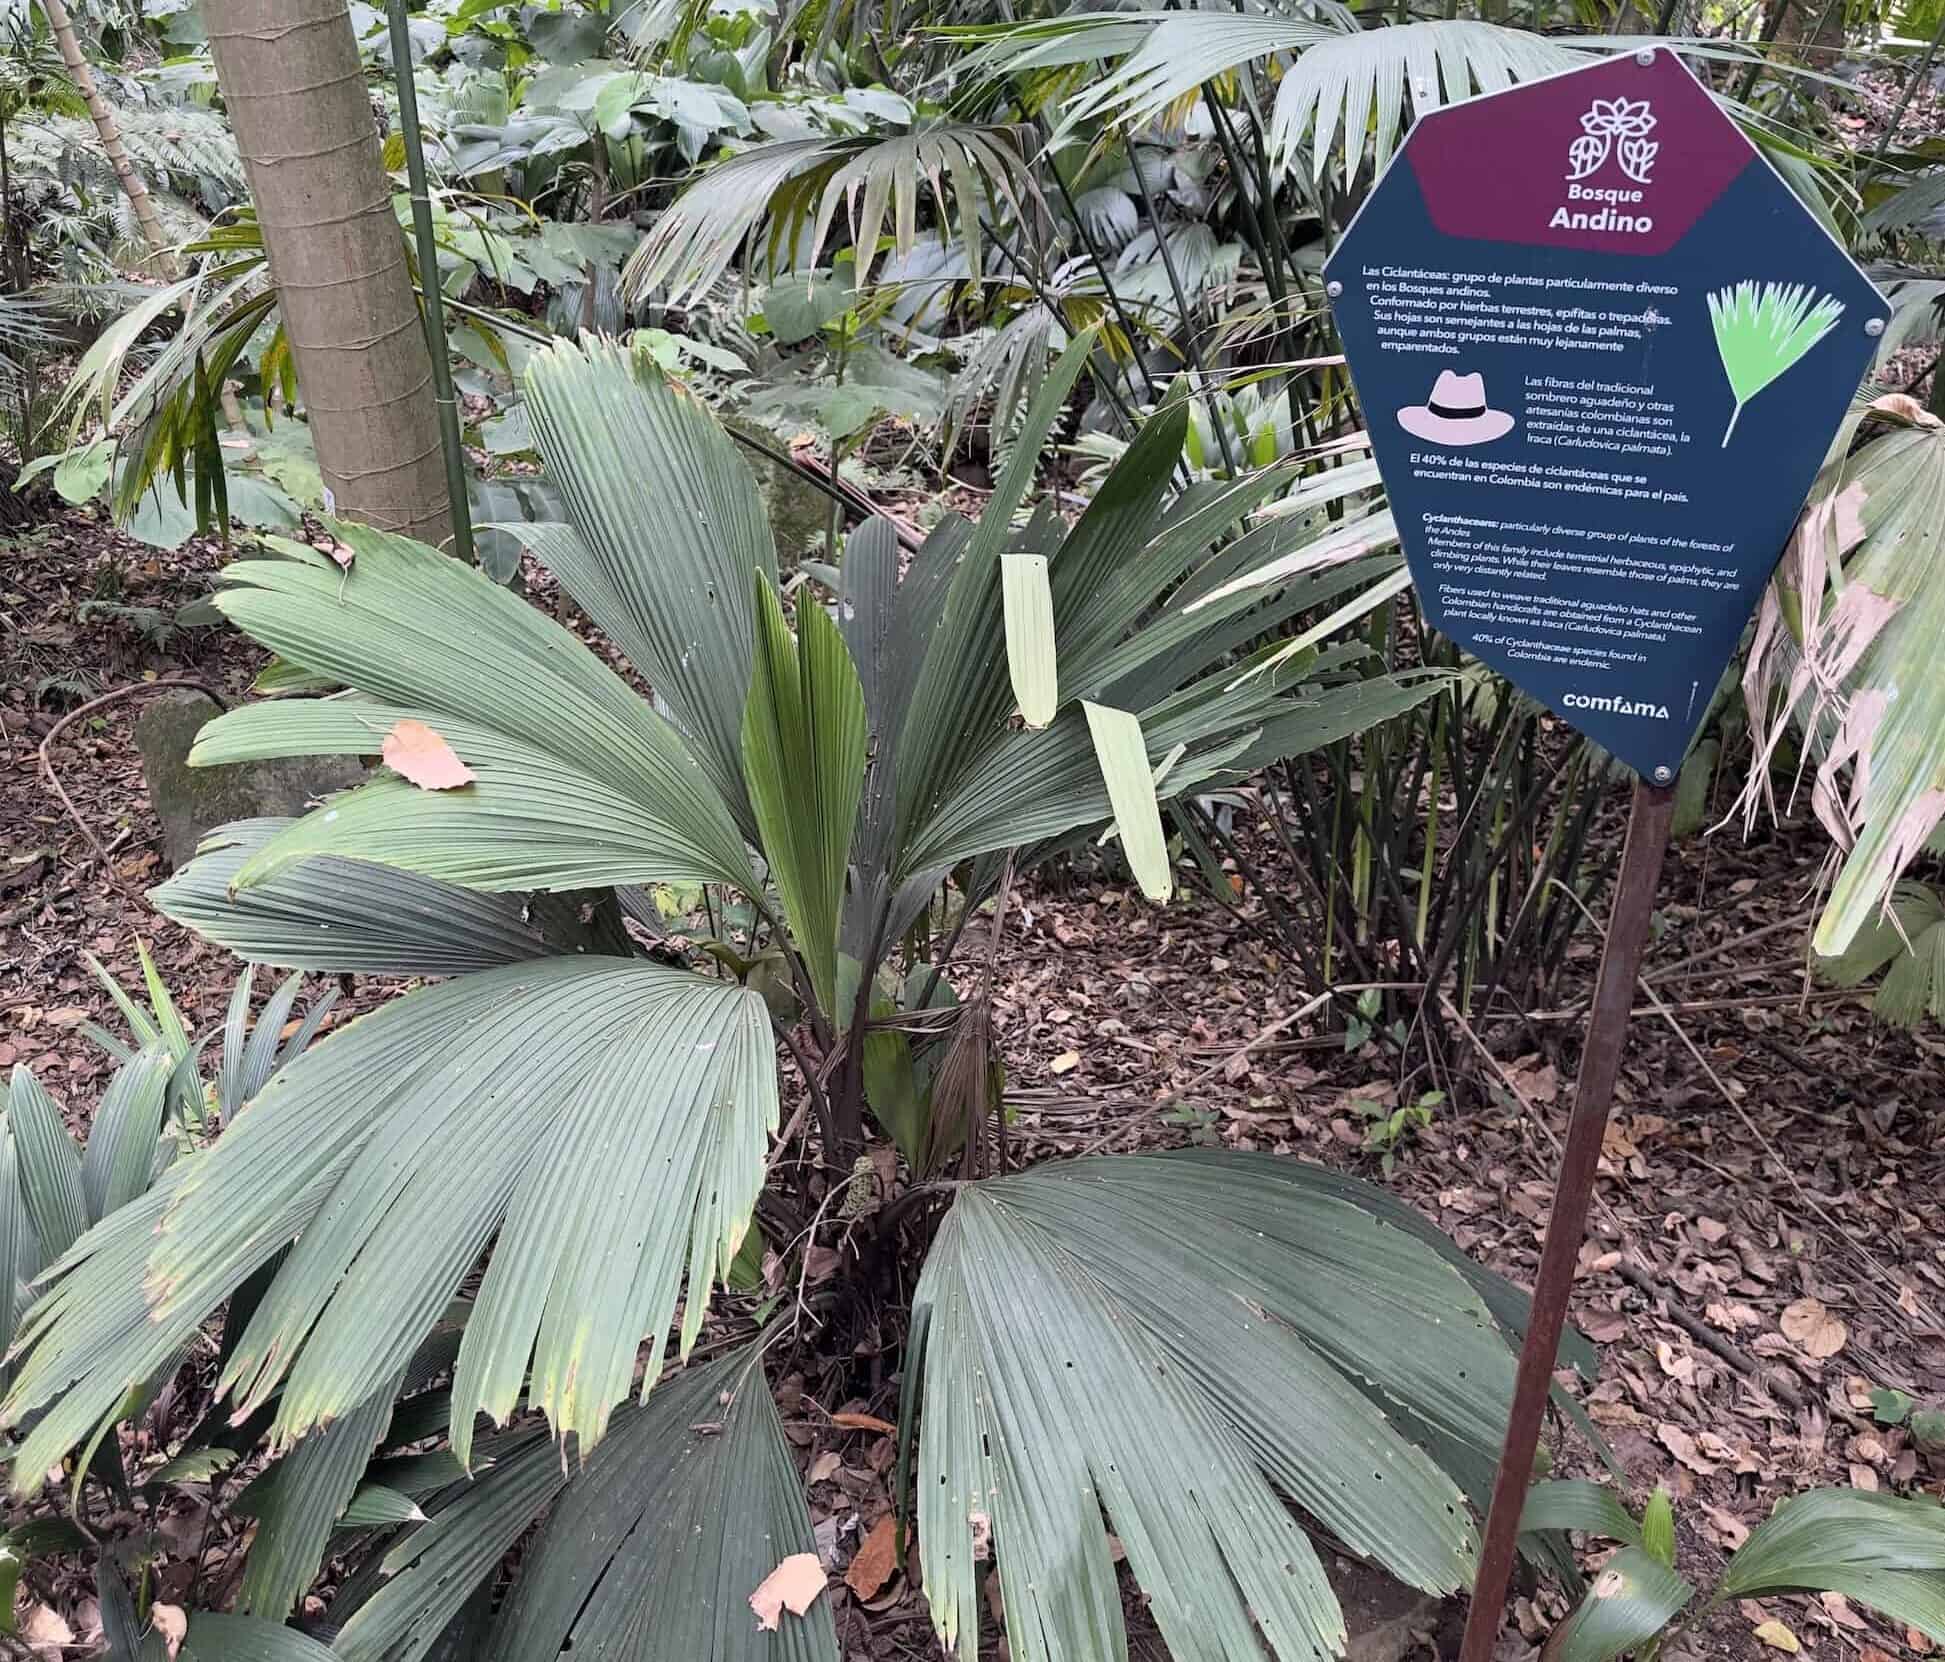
column 61, row 25
column 295, row 89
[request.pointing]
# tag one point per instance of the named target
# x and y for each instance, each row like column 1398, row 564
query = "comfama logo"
column 1615, row 706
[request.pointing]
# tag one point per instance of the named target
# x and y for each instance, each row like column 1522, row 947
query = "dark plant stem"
column 847, row 1104
column 1216, row 420
column 1119, row 307
column 428, row 251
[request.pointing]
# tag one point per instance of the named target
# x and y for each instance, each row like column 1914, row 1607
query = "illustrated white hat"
column 1457, row 413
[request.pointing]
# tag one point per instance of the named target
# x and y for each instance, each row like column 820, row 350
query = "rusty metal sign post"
column 1601, row 349
column 1649, row 817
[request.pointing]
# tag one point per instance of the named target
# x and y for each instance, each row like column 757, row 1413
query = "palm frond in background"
column 794, row 188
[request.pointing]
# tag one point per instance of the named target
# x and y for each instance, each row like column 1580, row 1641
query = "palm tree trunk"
column 81, row 72
column 295, row 90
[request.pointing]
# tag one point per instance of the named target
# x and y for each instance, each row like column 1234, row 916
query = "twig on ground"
column 54, row 732
column 1705, row 1335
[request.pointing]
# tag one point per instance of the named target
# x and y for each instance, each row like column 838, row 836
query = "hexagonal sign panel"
column 1602, row 349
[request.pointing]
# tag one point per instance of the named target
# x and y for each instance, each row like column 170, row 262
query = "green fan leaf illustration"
column 1761, row 329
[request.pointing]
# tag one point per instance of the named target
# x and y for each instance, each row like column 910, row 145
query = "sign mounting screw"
column 1334, row 290
column 1874, row 326
column 1645, row 56
column 1663, row 774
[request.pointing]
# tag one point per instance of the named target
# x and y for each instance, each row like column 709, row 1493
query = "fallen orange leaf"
column 875, row 1561
column 416, row 752
column 864, row 1422
column 793, row 1585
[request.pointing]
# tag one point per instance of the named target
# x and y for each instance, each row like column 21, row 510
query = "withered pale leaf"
column 1778, row 1637
column 793, row 1585
column 414, row 751
column 44, row 1631
column 1811, row 1327
column 172, row 1622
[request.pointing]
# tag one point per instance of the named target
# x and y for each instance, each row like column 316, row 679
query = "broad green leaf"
column 214, row 1638
column 359, row 917
column 1633, row 1598
column 1030, row 653
column 573, row 767
column 1119, row 747
column 1885, row 1551
column 804, row 741
column 671, row 532
column 299, row 1501
column 1126, row 1331
column 49, row 1166
column 656, row 1546
column 471, row 1113
column 120, row 1157
column 1045, row 1408
column 1574, row 1503
column 376, row 1507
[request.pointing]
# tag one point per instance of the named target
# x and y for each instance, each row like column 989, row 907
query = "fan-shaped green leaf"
column 355, row 916
column 606, row 1119
column 800, row 184
column 1098, row 1327
column 558, row 741
column 671, row 530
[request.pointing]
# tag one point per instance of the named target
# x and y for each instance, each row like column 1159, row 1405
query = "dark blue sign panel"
column 1602, row 349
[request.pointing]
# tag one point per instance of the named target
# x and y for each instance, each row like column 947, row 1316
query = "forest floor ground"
column 1768, row 1236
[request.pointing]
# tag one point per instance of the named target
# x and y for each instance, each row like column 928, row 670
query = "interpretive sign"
column 1602, row 349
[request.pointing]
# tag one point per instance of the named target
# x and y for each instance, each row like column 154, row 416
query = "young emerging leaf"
column 803, row 758
column 1658, row 1528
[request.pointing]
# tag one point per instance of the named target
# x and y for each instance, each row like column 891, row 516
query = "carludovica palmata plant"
column 464, row 1247
column 1762, row 330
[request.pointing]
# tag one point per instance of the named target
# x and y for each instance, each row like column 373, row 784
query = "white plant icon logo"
column 1616, row 127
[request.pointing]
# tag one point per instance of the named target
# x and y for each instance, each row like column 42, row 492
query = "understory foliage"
column 454, row 1224
column 470, row 1275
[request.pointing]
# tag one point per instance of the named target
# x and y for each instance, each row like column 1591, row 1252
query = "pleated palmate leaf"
column 1338, row 81
column 355, row 917
column 799, row 185
column 651, row 1548
column 1177, row 1341
column 566, row 1107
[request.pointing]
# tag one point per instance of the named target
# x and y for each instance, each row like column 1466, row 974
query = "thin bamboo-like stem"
column 434, row 319
column 81, row 72
column 1182, row 308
